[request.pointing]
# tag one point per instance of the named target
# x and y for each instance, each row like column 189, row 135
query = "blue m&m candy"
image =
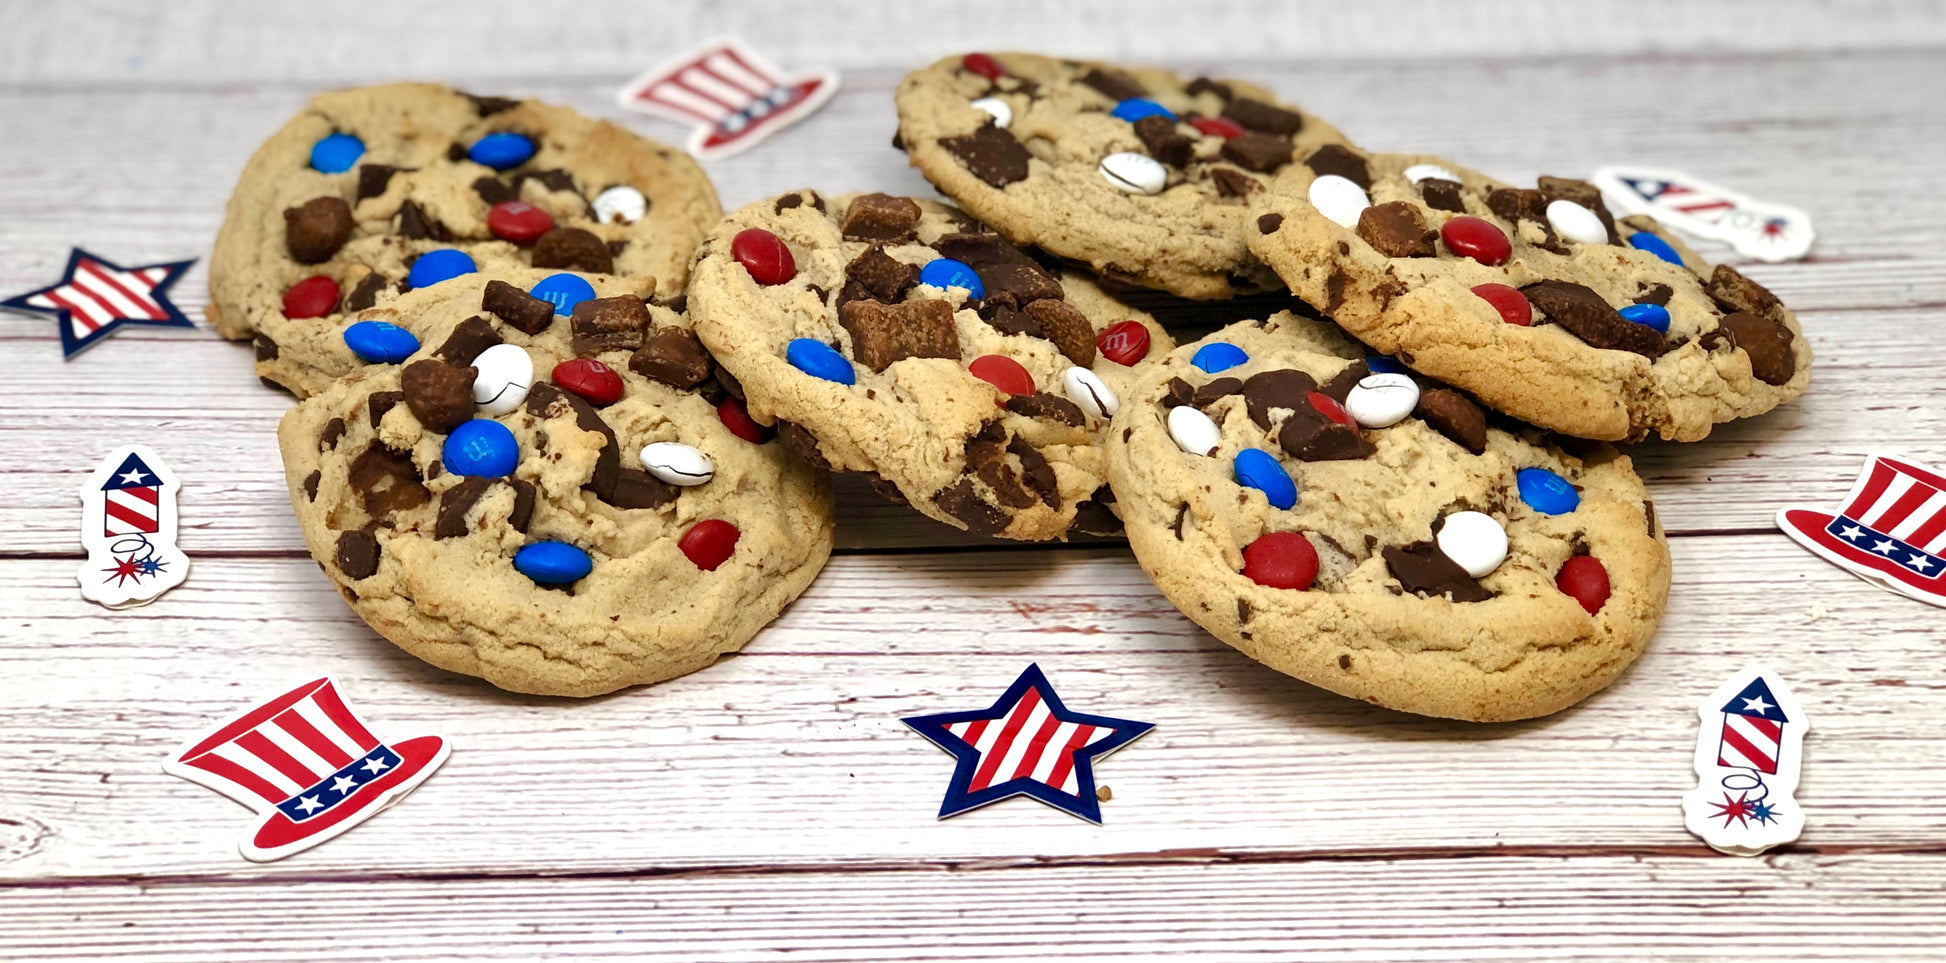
column 564, row 291
column 1384, row 364
column 1136, row 108
column 433, row 267
column 819, row 360
column 380, row 342
column 336, row 153
column 944, row 272
column 1654, row 315
column 1546, row 492
column 1258, row 469
column 552, row 563
column 481, row 447
column 501, row 151
column 1654, row 244
column 1220, row 356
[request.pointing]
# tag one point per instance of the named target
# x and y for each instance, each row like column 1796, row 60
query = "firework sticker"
column 1748, row 756
column 732, row 96
column 1891, row 531
column 1765, row 231
column 128, row 526
column 308, row 765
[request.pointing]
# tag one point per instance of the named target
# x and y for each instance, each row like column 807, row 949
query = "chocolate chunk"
column 364, row 294
column 1215, row 391
column 1113, row 84
column 455, row 503
column 1512, row 204
column 1655, row 294
column 1007, row 319
column 1767, row 342
column 1036, row 472
column 887, row 278
column 979, row 249
column 516, row 307
column 455, row 152
column 672, row 356
column 1182, row 515
column 1243, row 610
column 1049, row 407
column 380, row 402
column 1231, row 182
column 554, row 180
column 357, row 554
column 1176, row 394
column 573, row 249
column 635, row 488
column 1065, row 325
column 493, row 191
column 1206, row 85
column 1454, row 415
column 1269, row 223
column 387, row 481
column 1257, row 115
column 1423, row 569
column 804, row 444
column 1165, row 142
column 545, row 400
column 1442, row 194
column 992, row 154
column 316, row 229
column 1334, row 289
column 609, row 324
column 960, row 501
column 471, row 337
column 985, row 446
column 1733, row 292
column 265, row 348
column 1340, row 385
column 1019, row 284
column 1397, row 229
column 1095, row 517
column 439, row 394
column 1005, row 483
column 1307, row 435
column 374, row 178
column 1588, row 316
column 488, row 106
column 881, row 217
column 1282, row 388
column 787, row 201
column 1342, row 161
column 884, row 333
column 1583, row 193
column 1254, row 151
column 416, row 224
column 329, row 435
column 311, row 490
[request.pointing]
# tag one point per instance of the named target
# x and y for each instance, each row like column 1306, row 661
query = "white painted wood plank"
column 1699, row 909
column 792, row 753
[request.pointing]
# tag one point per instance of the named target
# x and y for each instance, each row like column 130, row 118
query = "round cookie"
column 849, row 320
column 1365, row 583
column 1595, row 328
column 361, row 182
column 617, row 525
column 1138, row 173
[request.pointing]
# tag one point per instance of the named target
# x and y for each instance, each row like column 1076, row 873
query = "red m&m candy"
column 1222, row 127
column 1477, row 239
column 983, row 65
column 1124, row 342
column 1281, row 560
column 709, row 543
column 590, row 379
column 736, row 417
column 518, row 221
column 313, row 297
column 1584, row 580
column 1003, row 373
column 1507, row 300
column 764, row 255
column 1330, row 408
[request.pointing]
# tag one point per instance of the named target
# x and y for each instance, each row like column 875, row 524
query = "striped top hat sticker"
column 730, row 94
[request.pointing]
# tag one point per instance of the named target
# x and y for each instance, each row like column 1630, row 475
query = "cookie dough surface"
column 1409, row 639
column 426, row 557
column 952, row 445
column 1392, row 279
column 1039, row 179
column 414, row 190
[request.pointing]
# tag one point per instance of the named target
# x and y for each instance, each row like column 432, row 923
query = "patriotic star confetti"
column 96, row 297
column 1026, row 744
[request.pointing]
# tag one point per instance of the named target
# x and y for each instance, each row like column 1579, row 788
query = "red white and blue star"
column 95, row 297
column 1026, row 744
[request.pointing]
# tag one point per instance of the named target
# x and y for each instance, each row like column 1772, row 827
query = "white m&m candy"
column 996, row 108
column 620, row 205
column 1193, row 431
column 1134, row 173
column 1339, row 199
column 1576, row 223
column 1086, row 389
column 506, row 372
column 677, row 463
column 1474, row 541
column 1382, row 400
column 1422, row 172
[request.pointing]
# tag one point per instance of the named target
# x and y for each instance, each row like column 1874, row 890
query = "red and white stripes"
column 132, row 511
column 99, row 294
column 1028, row 743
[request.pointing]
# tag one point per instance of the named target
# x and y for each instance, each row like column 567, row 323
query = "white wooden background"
column 773, row 806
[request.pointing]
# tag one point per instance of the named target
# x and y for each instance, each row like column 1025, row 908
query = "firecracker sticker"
column 1759, row 229
column 1749, row 753
column 128, row 526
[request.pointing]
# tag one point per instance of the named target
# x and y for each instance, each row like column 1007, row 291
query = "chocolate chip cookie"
column 900, row 338
column 334, row 211
column 562, row 504
column 1139, row 173
column 1370, row 533
column 1537, row 301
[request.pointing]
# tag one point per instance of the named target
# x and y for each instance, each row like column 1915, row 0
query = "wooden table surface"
column 773, row 806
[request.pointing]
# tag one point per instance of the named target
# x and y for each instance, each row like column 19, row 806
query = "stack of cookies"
column 1397, row 485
